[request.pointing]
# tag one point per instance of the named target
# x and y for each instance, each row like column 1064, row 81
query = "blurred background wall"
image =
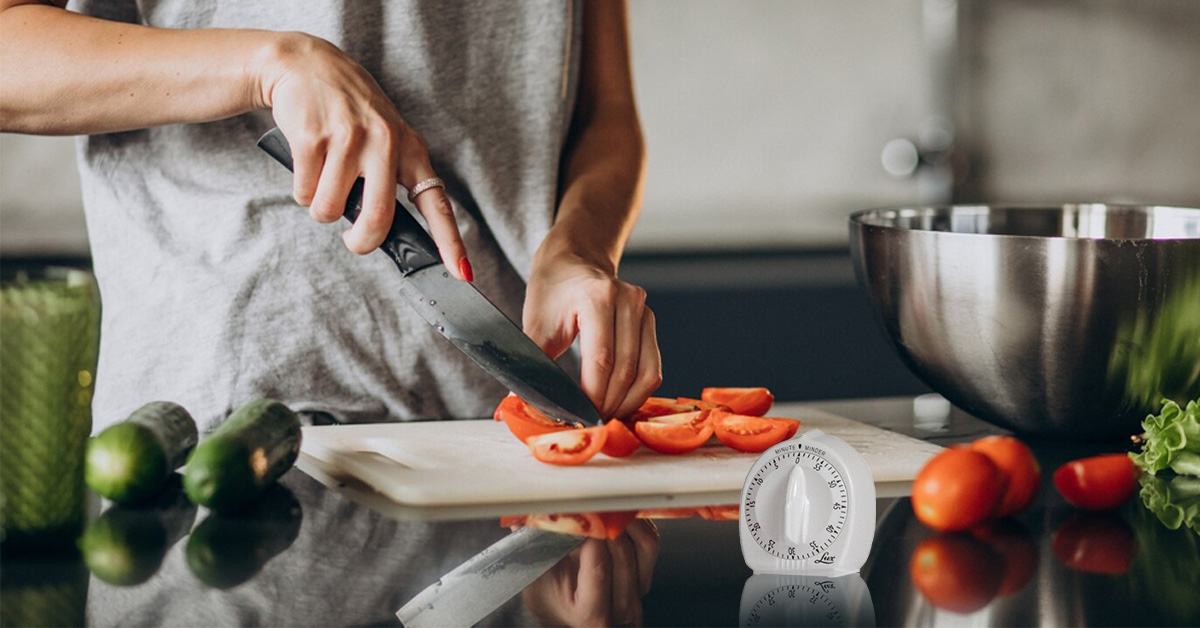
column 767, row 123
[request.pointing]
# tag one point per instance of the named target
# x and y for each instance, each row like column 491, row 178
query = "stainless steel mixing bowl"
column 1074, row 320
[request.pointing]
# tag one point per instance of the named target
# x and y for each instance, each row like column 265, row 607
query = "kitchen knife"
column 463, row 315
column 487, row 580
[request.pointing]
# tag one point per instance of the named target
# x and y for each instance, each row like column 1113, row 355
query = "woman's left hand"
column 568, row 297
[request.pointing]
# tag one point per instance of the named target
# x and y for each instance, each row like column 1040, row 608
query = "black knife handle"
column 409, row 246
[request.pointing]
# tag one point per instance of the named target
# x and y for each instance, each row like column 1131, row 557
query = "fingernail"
column 464, row 269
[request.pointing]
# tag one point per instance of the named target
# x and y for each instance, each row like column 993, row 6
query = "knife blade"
column 487, row 580
column 463, row 315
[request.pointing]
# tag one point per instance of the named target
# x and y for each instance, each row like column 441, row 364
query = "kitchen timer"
column 806, row 527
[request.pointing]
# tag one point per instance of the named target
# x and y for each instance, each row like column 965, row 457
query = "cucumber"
column 243, row 457
column 129, row 462
column 127, row 544
column 226, row 550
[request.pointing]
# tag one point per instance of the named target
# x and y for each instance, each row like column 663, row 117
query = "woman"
column 215, row 290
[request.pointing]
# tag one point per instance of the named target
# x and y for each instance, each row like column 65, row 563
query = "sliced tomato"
column 675, row 433
column 620, row 441
column 587, row 524
column 748, row 401
column 1099, row 482
column 616, row 522
column 792, row 425
column 568, row 448
column 660, row 406
column 525, row 421
column 750, row 434
column 701, row 404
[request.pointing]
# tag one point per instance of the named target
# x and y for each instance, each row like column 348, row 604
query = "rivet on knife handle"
column 409, row 246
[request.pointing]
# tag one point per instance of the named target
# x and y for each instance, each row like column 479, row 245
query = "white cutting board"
column 480, row 462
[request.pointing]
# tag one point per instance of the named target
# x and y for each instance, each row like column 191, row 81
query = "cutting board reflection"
column 480, row 462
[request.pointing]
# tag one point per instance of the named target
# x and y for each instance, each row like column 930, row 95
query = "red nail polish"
column 464, row 268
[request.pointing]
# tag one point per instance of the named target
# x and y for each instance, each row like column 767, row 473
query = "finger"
column 378, row 207
column 435, row 206
column 649, row 376
column 627, row 341
column 596, row 345
column 644, row 535
column 307, row 159
column 594, row 586
column 625, row 589
column 337, row 175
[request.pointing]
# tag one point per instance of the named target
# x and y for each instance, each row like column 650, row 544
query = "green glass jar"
column 49, row 333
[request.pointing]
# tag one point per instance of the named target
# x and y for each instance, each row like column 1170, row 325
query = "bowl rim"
column 857, row 219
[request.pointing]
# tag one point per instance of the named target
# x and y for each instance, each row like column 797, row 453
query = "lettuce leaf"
column 1172, row 440
column 1176, row 502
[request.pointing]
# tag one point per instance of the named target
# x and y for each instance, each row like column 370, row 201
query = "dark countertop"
column 314, row 556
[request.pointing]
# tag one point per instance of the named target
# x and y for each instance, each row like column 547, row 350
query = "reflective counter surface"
column 313, row 556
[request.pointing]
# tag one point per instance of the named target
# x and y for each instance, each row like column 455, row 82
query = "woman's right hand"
column 341, row 126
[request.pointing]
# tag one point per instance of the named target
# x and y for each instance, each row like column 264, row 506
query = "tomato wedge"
column 675, row 433
column 568, row 448
column 792, row 425
column 525, row 421
column 660, row 406
column 1099, row 482
column 750, row 434
column 620, row 441
column 701, row 404
column 748, row 401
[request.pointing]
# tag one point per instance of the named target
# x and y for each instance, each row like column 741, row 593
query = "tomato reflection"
column 957, row 572
column 1016, row 546
column 1099, row 543
column 609, row 525
column 721, row 513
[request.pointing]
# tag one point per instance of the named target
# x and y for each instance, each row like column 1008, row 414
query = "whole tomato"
column 1016, row 461
column 957, row 489
column 1097, row 483
column 956, row 572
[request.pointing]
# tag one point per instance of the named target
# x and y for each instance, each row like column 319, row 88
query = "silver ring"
column 422, row 186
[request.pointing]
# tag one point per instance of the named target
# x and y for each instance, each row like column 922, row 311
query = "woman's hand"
column 569, row 297
column 599, row 584
column 341, row 126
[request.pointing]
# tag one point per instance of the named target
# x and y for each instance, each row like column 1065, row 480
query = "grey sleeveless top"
column 217, row 288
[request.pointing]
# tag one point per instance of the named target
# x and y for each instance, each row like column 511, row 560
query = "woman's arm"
column 66, row 73
column 71, row 74
column 573, row 287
